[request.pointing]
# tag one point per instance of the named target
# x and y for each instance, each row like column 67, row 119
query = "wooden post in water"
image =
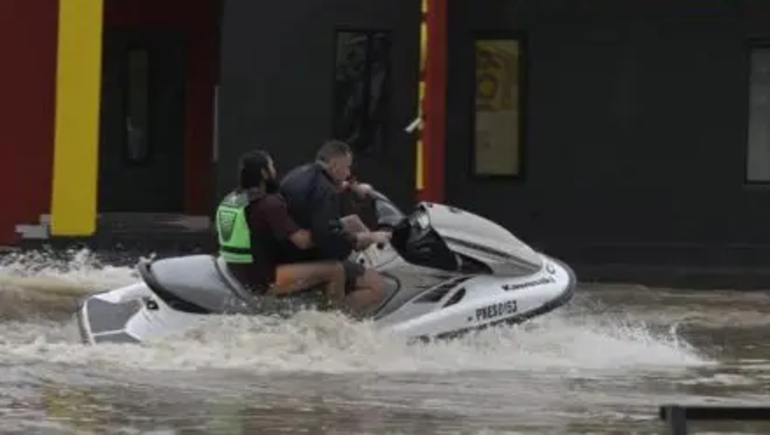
column 675, row 417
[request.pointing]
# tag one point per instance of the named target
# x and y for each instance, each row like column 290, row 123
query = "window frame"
column 522, row 39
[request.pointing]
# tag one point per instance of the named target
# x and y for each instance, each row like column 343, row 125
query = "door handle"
column 215, row 127
column 414, row 125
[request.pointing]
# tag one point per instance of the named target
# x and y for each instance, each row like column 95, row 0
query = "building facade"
column 637, row 133
column 108, row 108
column 603, row 131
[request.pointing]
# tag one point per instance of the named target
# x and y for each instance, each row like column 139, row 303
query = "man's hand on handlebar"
column 366, row 239
column 381, row 237
column 362, row 190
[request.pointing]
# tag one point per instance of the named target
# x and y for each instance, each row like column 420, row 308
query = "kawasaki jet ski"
column 448, row 271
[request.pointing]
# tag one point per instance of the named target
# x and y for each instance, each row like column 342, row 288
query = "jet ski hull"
column 446, row 306
column 448, row 271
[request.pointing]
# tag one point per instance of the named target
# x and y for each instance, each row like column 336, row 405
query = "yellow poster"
column 497, row 138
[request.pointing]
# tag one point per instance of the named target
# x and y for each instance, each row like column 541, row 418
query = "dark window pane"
column 137, row 105
column 362, row 89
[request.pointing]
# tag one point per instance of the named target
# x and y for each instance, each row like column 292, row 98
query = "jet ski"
column 449, row 272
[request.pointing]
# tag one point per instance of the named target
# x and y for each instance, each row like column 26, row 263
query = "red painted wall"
column 28, row 35
column 434, row 105
column 200, row 18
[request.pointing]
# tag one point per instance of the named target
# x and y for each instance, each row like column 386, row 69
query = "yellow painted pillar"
column 420, row 157
column 78, row 99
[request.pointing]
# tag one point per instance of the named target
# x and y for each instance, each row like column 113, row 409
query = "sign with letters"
column 491, row 312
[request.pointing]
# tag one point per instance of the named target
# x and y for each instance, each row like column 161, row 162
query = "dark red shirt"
column 270, row 217
column 271, row 226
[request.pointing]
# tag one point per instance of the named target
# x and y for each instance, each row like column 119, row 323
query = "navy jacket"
column 315, row 204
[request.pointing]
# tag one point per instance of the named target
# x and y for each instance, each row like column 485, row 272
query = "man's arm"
column 362, row 190
column 301, row 239
column 281, row 224
column 325, row 224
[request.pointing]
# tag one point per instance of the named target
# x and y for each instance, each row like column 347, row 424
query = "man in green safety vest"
column 253, row 227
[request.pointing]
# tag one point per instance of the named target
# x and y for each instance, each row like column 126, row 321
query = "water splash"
column 83, row 267
column 44, row 285
column 581, row 337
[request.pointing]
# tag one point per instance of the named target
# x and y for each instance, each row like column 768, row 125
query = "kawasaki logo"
column 541, row 281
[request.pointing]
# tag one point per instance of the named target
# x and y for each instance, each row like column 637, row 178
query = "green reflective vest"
column 233, row 228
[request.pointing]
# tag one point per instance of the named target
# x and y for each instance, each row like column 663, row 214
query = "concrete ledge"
column 741, row 267
column 126, row 251
column 676, row 276
column 141, row 233
column 684, row 255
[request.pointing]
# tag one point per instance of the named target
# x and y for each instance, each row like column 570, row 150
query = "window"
column 362, row 89
column 137, row 105
column 758, row 152
column 497, row 147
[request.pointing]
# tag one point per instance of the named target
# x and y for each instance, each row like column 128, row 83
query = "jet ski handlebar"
column 418, row 242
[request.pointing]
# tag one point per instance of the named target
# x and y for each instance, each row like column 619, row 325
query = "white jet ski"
column 449, row 272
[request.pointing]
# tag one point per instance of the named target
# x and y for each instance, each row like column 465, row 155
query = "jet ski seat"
column 231, row 280
column 195, row 283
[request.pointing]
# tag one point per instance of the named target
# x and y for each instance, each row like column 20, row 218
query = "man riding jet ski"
column 447, row 271
column 253, row 225
column 314, row 196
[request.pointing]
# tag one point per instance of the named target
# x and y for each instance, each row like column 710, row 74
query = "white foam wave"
column 79, row 267
column 320, row 342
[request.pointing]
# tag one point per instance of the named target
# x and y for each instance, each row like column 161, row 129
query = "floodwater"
column 601, row 365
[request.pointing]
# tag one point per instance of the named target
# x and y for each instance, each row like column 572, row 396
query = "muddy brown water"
column 601, row 365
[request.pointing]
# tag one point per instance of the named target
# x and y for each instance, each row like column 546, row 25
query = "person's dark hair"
column 332, row 149
column 250, row 168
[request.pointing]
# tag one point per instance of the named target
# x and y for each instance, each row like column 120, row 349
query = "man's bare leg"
column 369, row 291
column 369, row 285
column 291, row 278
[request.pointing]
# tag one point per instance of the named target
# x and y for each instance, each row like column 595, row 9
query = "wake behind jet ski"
column 449, row 272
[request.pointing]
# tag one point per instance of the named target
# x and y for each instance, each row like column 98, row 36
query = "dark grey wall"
column 637, row 117
column 277, row 75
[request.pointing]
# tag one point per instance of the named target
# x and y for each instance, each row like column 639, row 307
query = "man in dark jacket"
column 314, row 194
